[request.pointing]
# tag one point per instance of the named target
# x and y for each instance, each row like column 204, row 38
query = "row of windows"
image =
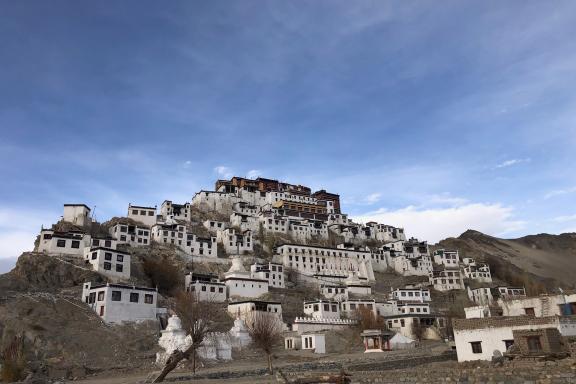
column 61, row 243
column 108, row 267
column 327, row 307
column 140, row 240
column 107, row 243
column 117, row 296
column 108, row 256
column 412, row 310
column 203, row 288
column 142, row 212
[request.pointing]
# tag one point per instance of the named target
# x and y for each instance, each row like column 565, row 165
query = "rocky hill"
column 536, row 259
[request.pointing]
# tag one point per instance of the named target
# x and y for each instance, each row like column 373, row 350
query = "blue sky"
column 435, row 116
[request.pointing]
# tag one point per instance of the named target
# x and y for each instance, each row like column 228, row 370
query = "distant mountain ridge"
column 551, row 258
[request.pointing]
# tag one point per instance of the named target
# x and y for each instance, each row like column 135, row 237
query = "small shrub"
column 13, row 362
column 163, row 274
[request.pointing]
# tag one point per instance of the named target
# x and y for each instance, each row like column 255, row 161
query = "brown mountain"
column 547, row 259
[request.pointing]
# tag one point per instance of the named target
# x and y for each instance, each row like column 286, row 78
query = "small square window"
column 116, row 295
column 134, row 297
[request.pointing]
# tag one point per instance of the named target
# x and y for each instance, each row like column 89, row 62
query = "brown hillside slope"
column 551, row 257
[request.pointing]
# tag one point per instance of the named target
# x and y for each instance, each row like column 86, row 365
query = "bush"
column 163, row 274
column 13, row 362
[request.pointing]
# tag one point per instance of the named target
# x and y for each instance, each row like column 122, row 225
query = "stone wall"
column 551, row 372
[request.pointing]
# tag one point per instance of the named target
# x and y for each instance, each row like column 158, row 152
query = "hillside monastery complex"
column 321, row 248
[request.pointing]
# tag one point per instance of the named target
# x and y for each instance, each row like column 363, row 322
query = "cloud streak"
column 511, row 162
column 434, row 224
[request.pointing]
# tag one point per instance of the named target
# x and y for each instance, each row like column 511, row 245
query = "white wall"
column 123, row 310
column 492, row 339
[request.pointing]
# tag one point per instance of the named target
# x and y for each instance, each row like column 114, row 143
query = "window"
column 534, row 344
column 116, row 295
column 108, row 243
column 134, row 211
column 94, row 254
column 476, row 346
column 212, row 289
column 120, row 258
column 100, row 295
column 119, row 268
column 61, row 243
column 508, row 343
column 75, row 243
column 134, row 297
column 92, row 297
column 203, row 288
column 107, row 256
column 149, row 299
column 107, row 266
column 220, row 290
column 529, row 311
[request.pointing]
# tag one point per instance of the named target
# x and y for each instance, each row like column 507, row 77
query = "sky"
column 434, row 116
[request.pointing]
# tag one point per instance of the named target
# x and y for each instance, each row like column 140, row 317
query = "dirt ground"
column 249, row 361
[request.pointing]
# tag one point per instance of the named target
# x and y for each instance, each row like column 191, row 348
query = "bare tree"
column 367, row 319
column 265, row 329
column 199, row 320
column 417, row 329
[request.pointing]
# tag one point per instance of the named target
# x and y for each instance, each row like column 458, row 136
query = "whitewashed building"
column 447, row 258
column 327, row 263
column 240, row 283
column 244, row 309
column 322, row 309
column 479, row 338
column 477, row 271
column 446, row 280
column 409, row 294
column 144, row 215
column 63, row 243
column 245, row 222
column 408, row 265
column 170, row 210
column 132, row 234
column 116, row 303
column 214, row 226
column 77, row 214
column 539, row 306
column 109, row 262
column 205, row 287
column 235, row 242
column 188, row 242
column 334, row 292
column 273, row 272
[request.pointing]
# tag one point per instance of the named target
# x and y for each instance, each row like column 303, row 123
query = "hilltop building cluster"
column 319, row 247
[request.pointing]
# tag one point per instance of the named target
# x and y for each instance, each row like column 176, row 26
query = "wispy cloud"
column 373, row 198
column 564, row 219
column 223, row 171
column 253, row 173
column 187, row 164
column 434, row 224
column 18, row 230
column 559, row 192
column 511, row 162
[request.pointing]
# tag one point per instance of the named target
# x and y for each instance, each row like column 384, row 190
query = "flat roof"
column 319, row 247
column 141, row 207
column 501, row 322
column 102, row 285
column 255, row 302
column 77, row 205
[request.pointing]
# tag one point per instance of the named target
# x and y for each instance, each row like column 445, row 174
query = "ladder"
column 545, row 306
